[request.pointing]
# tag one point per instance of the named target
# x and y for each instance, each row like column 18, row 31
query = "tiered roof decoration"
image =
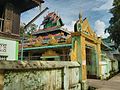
column 51, row 34
column 51, row 23
column 51, row 20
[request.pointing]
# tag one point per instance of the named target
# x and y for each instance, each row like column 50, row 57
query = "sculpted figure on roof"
column 78, row 24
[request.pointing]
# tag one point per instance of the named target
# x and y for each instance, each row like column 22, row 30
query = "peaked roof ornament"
column 80, row 16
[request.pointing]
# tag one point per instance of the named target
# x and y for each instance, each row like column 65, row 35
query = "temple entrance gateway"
column 86, row 49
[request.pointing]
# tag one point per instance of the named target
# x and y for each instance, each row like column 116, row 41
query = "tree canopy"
column 29, row 30
column 114, row 28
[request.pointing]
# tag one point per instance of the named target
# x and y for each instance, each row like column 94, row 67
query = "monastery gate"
column 86, row 49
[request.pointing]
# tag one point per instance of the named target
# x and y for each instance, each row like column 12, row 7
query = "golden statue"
column 38, row 41
column 52, row 40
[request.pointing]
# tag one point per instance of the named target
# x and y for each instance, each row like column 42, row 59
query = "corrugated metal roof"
column 46, row 47
column 106, row 46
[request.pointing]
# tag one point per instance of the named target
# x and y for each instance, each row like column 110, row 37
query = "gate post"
column 79, row 51
column 99, row 56
column 79, row 54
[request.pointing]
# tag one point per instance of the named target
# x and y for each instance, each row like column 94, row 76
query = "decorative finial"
column 48, row 12
column 56, row 12
column 80, row 14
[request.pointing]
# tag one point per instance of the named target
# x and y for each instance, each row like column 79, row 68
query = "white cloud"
column 70, row 27
column 106, row 6
column 100, row 28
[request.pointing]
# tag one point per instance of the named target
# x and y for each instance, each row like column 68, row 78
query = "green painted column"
column 78, row 48
column 17, row 43
column 94, row 61
column 76, row 40
column 97, row 64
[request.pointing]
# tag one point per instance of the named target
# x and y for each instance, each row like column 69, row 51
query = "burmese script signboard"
column 8, row 49
column 3, row 47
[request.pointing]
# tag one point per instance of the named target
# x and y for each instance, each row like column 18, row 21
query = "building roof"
column 105, row 46
column 48, row 47
column 52, row 22
column 108, row 41
column 52, row 17
column 52, row 29
column 23, row 5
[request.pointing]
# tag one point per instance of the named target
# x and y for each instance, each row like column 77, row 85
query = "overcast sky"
column 97, row 12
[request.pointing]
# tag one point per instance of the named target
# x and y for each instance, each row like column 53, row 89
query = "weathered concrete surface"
column 112, row 84
column 16, row 65
column 40, row 75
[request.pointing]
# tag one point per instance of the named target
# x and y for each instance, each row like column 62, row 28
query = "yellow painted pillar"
column 1, row 80
column 99, row 56
column 79, row 54
column 83, row 58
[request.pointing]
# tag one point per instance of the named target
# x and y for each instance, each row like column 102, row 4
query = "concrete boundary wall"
column 40, row 75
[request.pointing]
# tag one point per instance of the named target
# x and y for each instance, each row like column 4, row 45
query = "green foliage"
column 27, row 33
column 22, row 30
column 32, row 28
column 114, row 28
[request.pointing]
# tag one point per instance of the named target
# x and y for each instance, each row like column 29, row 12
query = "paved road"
column 111, row 84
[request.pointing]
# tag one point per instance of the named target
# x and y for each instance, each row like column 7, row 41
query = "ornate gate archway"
column 86, row 49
